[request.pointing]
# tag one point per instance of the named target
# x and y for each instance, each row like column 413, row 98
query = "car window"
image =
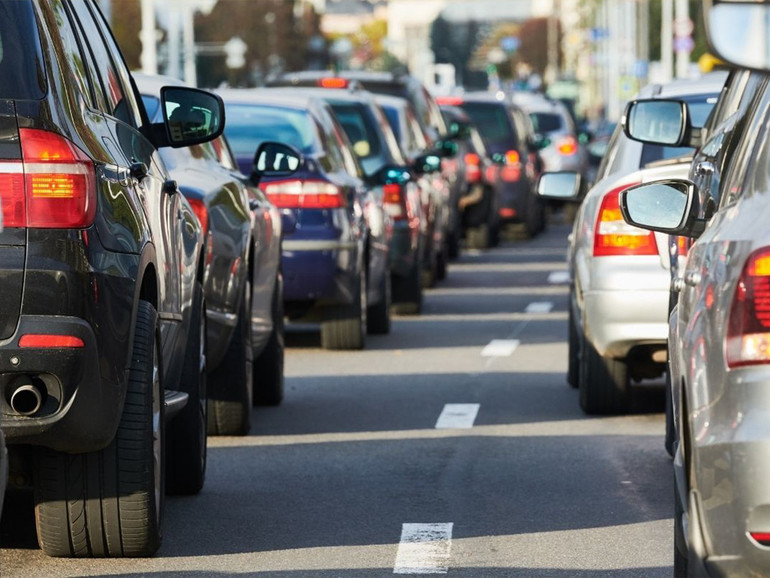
column 72, row 47
column 545, row 122
column 21, row 60
column 609, row 164
column 248, row 126
column 357, row 121
column 391, row 113
column 492, row 121
column 415, row 130
column 390, row 138
column 224, row 154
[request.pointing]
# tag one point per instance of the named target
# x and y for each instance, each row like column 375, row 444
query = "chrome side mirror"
column 560, row 186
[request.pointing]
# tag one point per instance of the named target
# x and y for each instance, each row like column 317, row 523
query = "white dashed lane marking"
column 539, row 307
column 559, row 277
column 500, row 348
column 458, row 416
column 424, row 549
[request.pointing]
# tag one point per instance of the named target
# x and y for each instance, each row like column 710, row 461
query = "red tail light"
column 394, row 201
column 49, row 341
column 568, row 146
column 449, row 101
column 53, row 188
column 472, row 168
column 683, row 246
column 296, row 194
column 512, row 158
column 748, row 329
column 200, row 210
column 332, row 83
column 763, row 538
column 613, row 236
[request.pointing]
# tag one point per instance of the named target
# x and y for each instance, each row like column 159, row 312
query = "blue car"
column 335, row 250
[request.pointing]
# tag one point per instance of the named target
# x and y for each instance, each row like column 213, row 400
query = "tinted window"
column 361, row 129
column 248, row 126
column 21, row 64
column 392, row 115
column 492, row 122
column 700, row 108
column 546, row 121
column 152, row 106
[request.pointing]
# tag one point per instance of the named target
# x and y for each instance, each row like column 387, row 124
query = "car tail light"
column 568, row 146
column 507, row 213
column 42, row 341
column 54, row 187
column 613, row 236
column 296, row 194
column 332, row 82
column 512, row 158
column 449, row 101
column 472, row 168
column 762, row 538
column 200, row 210
column 394, row 201
column 682, row 246
column 748, row 328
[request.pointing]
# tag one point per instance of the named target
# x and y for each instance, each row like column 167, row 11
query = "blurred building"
column 346, row 17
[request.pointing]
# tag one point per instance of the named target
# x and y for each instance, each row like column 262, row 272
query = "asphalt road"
column 365, row 472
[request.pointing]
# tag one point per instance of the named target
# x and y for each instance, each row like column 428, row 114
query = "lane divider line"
column 539, row 307
column 424, row 549
column 458, row 416
column 500, row 348
column 558, row 277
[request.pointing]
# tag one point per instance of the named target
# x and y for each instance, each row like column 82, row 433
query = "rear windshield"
column 700, row 108
column 546, row 121
column 492, row 121
column 22, row 76
column 248, row 126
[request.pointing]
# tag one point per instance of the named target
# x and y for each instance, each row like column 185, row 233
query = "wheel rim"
column 157, row 441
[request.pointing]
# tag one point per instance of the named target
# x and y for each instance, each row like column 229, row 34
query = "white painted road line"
column 458, row 416
column 559, row 277
column 424, row 549
column 500, row 348
column 539, row 307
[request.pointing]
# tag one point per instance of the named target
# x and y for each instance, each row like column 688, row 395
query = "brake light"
column 567, row 146
column 472, row 168
column 449, row 101
column 200, row 210
column 32, row 340
column 613, row 236
column 748, row 328
column 394, row 201
column 12, row 194
column 59, row 182
column 296, row 194
column 512, row 158
column 332, row 83
column 762, row 538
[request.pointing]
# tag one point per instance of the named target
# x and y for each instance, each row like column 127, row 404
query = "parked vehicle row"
column 705, row 213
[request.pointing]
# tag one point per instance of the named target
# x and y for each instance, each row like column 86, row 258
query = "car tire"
column 478, row 237
column 378, row 316
column 603, row 382
column 268, row 367
column 407, row 293
column 230, row 384
column 344, row 326
column 573, row 355
column 110, row 503
column 681, row 558
column 453, row 245
column 442, row 258
column 186, row 437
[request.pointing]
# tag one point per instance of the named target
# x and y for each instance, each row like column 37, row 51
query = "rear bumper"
column 325, row 271
column 403, row 249
column 513, row 201
column 81, row 409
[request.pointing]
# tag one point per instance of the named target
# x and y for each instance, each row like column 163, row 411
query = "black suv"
column 101, row 308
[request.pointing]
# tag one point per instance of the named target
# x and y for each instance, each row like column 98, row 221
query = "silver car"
column 620, row 275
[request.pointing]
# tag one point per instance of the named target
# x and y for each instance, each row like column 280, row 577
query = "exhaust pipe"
column 27, row 399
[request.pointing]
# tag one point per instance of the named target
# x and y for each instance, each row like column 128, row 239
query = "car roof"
column 339, row 94
column 708, row 83
column 268, row 96
column 350, row 74
column 391, row 101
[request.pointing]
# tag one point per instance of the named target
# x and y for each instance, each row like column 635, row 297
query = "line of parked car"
column 670, row 264
column 150, row 253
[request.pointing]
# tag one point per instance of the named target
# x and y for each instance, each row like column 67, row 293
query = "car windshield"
column 700, row 108
column 22, row 75
column 492, row 121
column 249, row 125
column 546, row 121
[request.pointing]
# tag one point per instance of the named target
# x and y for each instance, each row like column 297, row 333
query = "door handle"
column 138, row 170
column 704, row 168
column 692, row 278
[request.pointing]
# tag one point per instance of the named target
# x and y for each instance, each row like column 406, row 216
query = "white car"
column 620, row 279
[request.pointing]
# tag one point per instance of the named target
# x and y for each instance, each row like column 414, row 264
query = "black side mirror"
column 190, row 116
column 664, row 206
column 274, row 159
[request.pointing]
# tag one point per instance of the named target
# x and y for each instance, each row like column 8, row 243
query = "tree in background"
column 454, row 43
column 126, row 22
column 699, row 34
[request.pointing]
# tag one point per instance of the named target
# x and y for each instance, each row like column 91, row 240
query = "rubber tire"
column 479, row 237
column 681, row 559
column 231, row 388
column 106, row 503
column 532, row 222
column 453, row 245
column 442, row 258
column 344, row 326
column 378, row 315
column 407, row 293
column 573, row 355
column 268, row 367
column 604, row 387
column 186, row 437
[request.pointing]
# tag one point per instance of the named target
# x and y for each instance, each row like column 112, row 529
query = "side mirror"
column 739, row 32
column 658, row 121
column 393, row 175
column 560, row 186
column 275, row 159
column 190, row 116
column 444, row 149
column 425, row 164
column 665, row 206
